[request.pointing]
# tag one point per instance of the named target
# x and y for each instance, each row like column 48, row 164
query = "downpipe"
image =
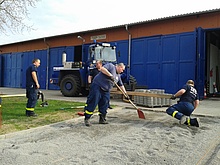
column 47, row 68
column 129, row 51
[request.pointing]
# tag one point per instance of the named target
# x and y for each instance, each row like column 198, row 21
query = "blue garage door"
column 164, row 62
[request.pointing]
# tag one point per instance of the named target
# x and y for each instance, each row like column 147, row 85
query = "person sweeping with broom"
column 100, row 91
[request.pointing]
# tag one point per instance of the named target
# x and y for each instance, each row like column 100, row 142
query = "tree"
column 13, row 13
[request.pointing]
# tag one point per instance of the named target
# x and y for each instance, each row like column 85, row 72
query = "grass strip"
column 14, row 118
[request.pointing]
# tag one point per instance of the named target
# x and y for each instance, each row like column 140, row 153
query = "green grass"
column 14, row 118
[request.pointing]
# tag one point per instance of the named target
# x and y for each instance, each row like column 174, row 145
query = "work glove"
column 39, row 93
column 112, row 78
column 127, row 97
column 173, row 97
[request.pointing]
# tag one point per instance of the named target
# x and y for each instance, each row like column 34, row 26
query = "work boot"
column 188, row 121
column 102, row 119
column 87, row 122
column 183, row 119
column 30, row 114
column 195, row 122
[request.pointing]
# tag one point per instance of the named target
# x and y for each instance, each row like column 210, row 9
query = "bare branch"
column 13, row 13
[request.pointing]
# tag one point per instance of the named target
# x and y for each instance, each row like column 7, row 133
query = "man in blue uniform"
column 93, row 72
column 32, row 86
column 188, row 102
column 100, row 91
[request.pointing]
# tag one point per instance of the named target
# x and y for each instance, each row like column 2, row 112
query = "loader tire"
column 132, row 82
column 70, row 86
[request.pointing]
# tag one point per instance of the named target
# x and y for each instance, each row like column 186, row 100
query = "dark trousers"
column 31, row 94
column 96, row 97
column 180, row 109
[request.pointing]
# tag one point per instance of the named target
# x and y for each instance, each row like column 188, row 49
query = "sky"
column 57, row 17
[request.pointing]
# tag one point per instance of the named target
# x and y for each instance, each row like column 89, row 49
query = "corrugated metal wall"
column 6, row 70
column 14, row 66
column 162, row 62
column 55, row 59
column 122, row 52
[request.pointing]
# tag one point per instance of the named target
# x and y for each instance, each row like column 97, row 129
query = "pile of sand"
column 125, row 140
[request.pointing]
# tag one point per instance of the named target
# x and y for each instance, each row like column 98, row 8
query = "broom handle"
column 125, row 95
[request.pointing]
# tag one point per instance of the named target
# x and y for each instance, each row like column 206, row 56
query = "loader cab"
column 102, row 51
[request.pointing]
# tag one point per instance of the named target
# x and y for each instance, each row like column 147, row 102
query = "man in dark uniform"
column 32, row 86
column 93, row 72
column 188, row 102
column 100, row 91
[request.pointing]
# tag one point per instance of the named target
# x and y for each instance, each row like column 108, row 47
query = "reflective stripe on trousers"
column 96, row 97
column 31, row 94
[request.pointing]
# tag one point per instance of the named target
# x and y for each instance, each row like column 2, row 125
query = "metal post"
column 129, row 50
column 83, row 41
column 48, row 58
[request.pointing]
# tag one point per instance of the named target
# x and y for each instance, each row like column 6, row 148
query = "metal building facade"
column 163, row 54
column 164, row 62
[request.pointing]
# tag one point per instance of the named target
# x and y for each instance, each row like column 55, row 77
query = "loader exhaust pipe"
column 63, row 57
